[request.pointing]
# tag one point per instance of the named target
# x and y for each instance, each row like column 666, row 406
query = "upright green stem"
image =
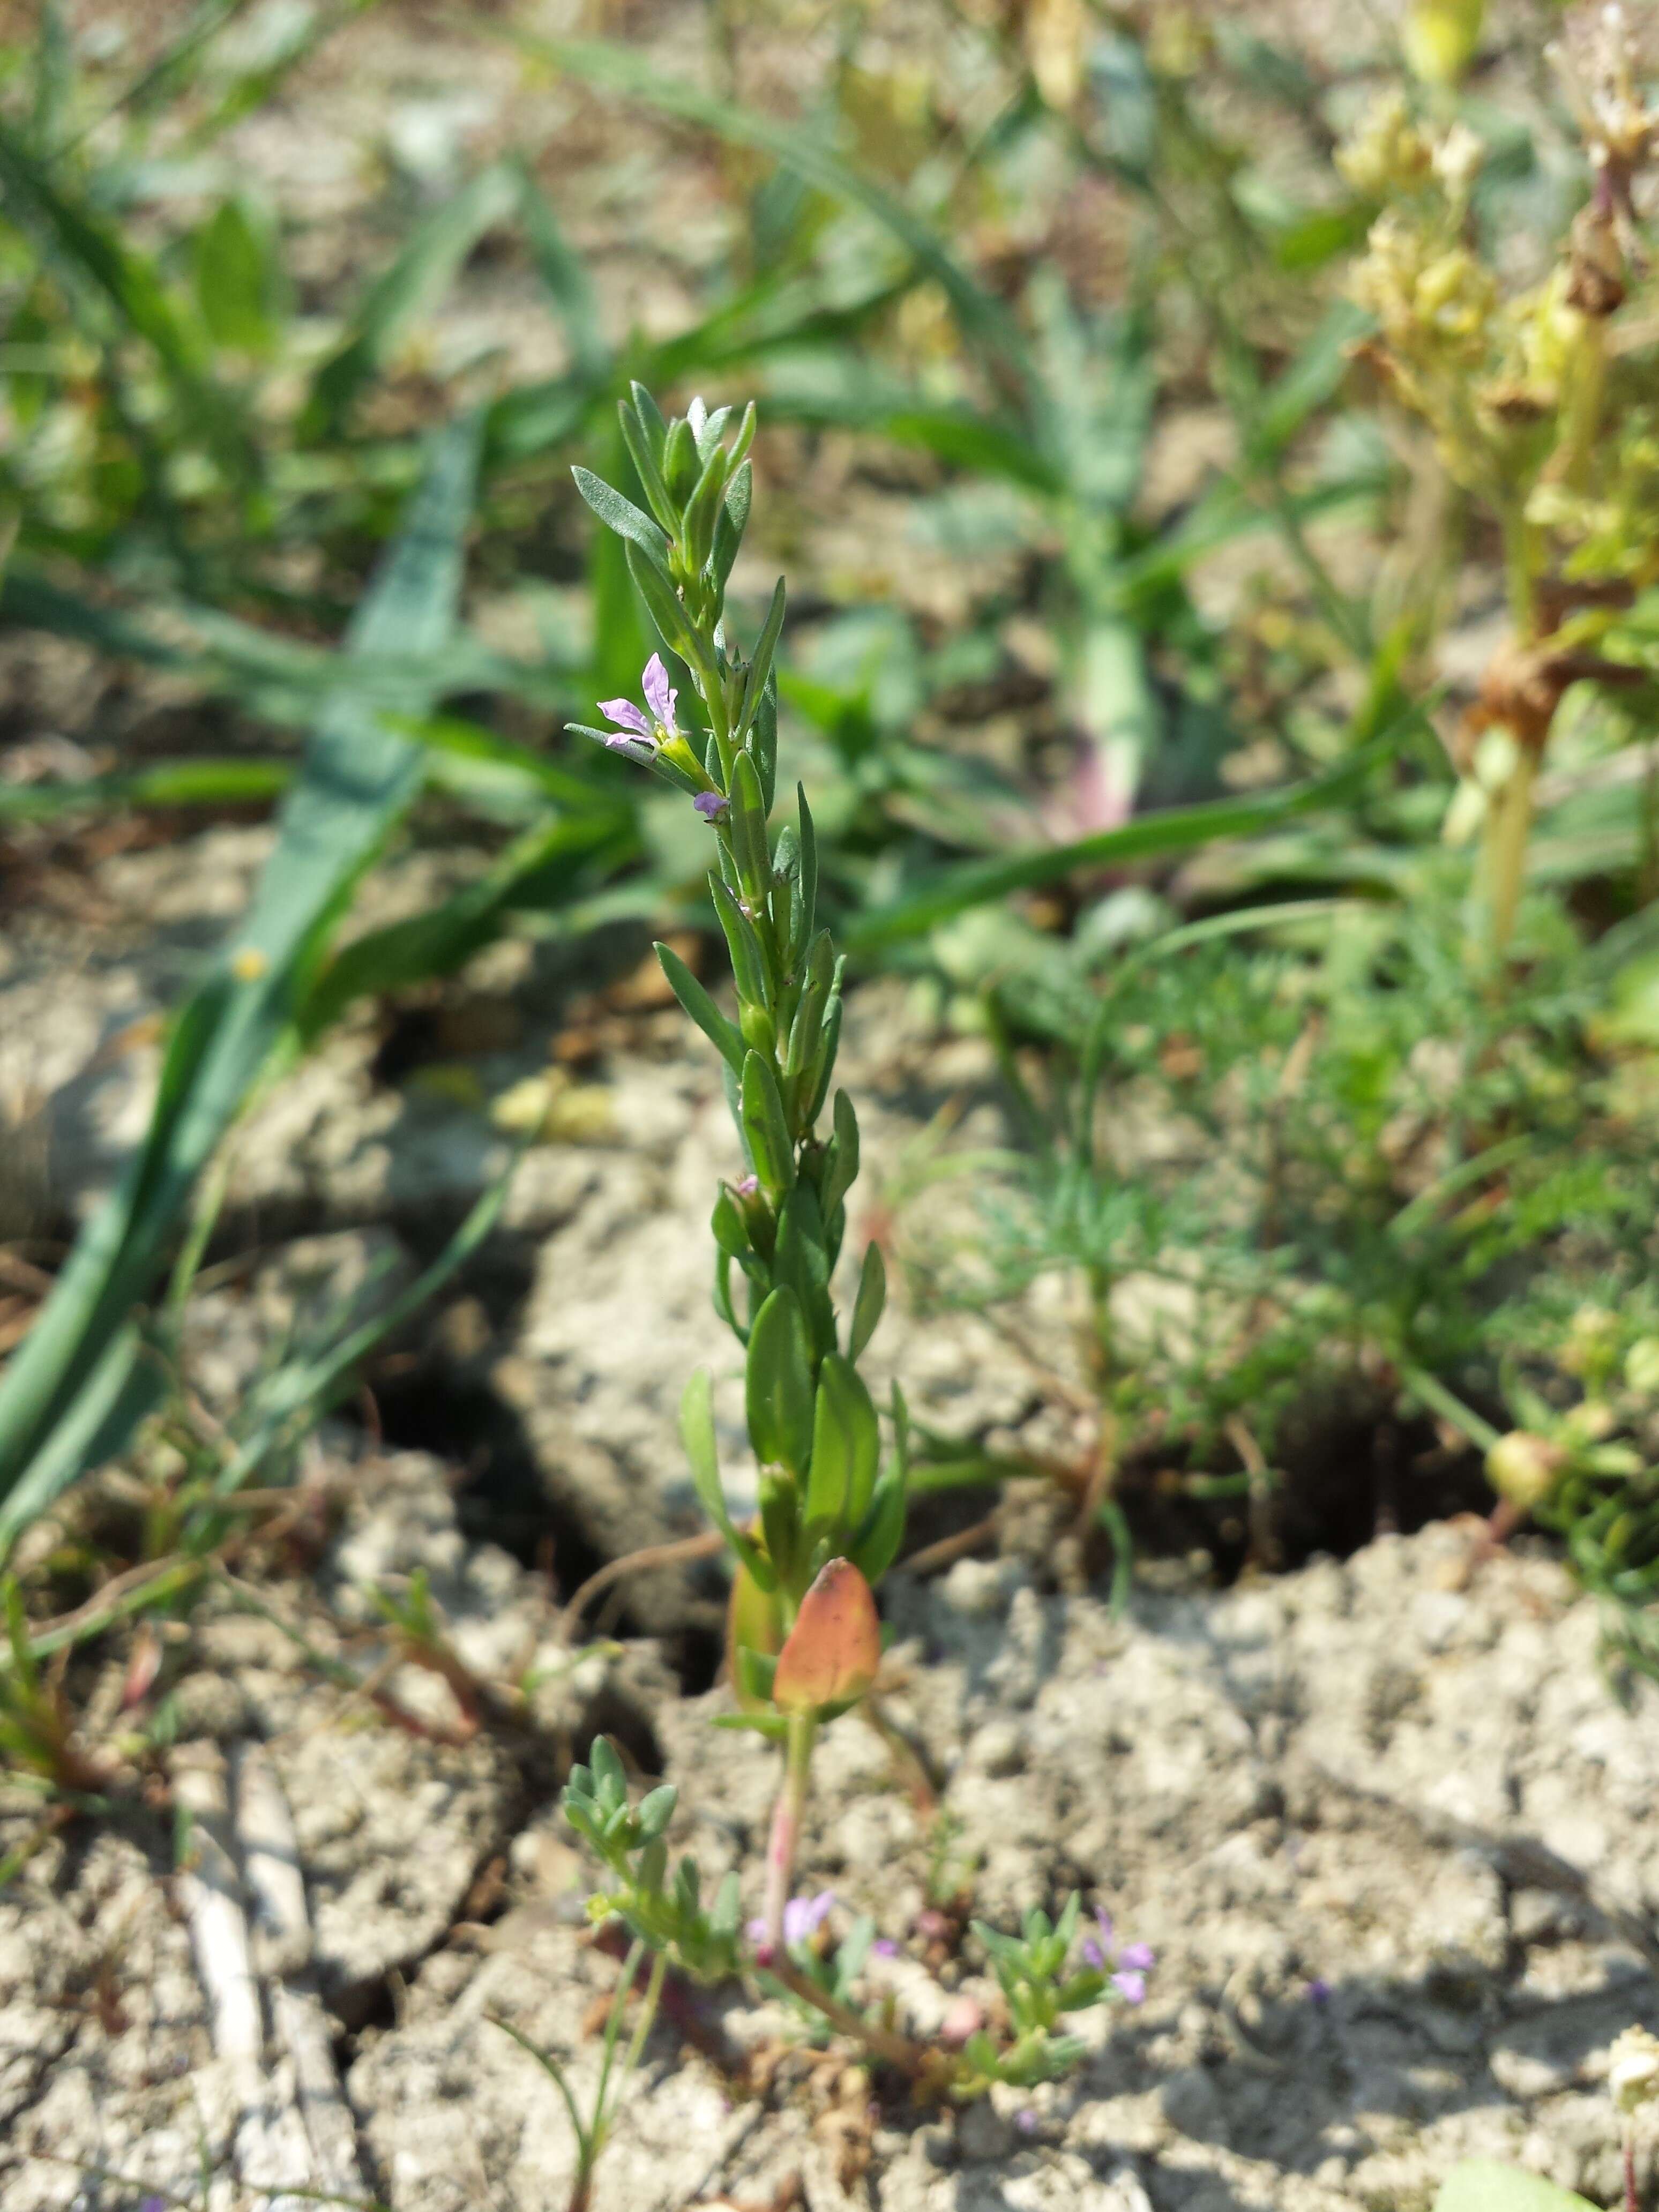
column 787, row 1815
column 1508, row 820
column 1508, row 829
column 647, row 2018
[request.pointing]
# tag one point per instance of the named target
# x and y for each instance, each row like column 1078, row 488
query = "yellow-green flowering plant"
column 1543, row 402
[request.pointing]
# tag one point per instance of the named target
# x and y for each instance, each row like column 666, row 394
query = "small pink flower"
column 635, row 728
column 711, row 805
column 1131, row 1987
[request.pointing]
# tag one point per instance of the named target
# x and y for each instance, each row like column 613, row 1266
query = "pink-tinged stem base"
column 785, row 1838
column 1633, row 2203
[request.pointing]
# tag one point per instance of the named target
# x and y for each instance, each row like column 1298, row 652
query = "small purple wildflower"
column 1133, row 1962
column 1319, row 1992
column 745, row 1186
column 1027, row 2121
column 802, row 1917
column 884, row 1948
column 711, row 805
column 633, row 728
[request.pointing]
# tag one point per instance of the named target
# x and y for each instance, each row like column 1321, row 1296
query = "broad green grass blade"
column 304, row 1389
column 403, row 291
column 356, row 779
column 1150, row 836
column 535, row 869
column 166, row 783
column 254, row 87
column 284, row 680
column 982, row 316
column 567, row 283
column 94, row 255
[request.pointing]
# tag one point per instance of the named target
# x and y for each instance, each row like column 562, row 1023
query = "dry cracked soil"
column 1386, row 1822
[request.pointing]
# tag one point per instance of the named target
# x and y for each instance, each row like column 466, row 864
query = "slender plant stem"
column 647, row 2018
column 1632, row 2202
column 913, row 2058
column 1439, row 1399
column 1507, row 830
column 787, row 1814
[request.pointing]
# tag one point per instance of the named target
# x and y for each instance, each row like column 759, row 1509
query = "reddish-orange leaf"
column 830, row 1655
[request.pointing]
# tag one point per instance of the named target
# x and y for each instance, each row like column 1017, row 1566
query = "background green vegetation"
column 1138, row 605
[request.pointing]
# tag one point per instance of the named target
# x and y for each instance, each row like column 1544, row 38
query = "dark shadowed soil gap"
column 500, row 1497
column 503, row 1498
column 1339, row 1482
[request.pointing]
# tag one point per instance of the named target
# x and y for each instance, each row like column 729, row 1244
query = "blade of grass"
column 614, row 67
column 535, row 868
column 404, row 289
column 1150, row 836
column 95, row 255
column 166, row 783
column 356, row 779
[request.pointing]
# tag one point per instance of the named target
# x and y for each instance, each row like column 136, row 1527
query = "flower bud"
column 830, row 1655
column 1440, row 37
column 1524, row 1468
column 1633, row 2070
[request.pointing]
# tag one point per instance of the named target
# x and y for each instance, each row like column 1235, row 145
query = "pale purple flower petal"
column 1027, row 2121
column 802, row 1917
column 627, row 715
column 1103, row 1922
column 1131, row 1987
column 1140, row 1958
column 1319, row 1991
column 658, row 695
column 1093, row 1955
column 711, row 805
column 884, row 1948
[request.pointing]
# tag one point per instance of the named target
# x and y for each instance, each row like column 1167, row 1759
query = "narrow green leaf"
column 644, row 460
column 883, row 1531
column 749, row 839
column 801, row 1260
column 765, row 1128
column 724, row 1035
column 748, row 959
column 779, row 1385
column 809, row 869
column 844, row 1168
column 846, row 1446
column 760, row 665
column 236, row 281
column 868, row 1305
column 622, row 515
column 662, row 602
